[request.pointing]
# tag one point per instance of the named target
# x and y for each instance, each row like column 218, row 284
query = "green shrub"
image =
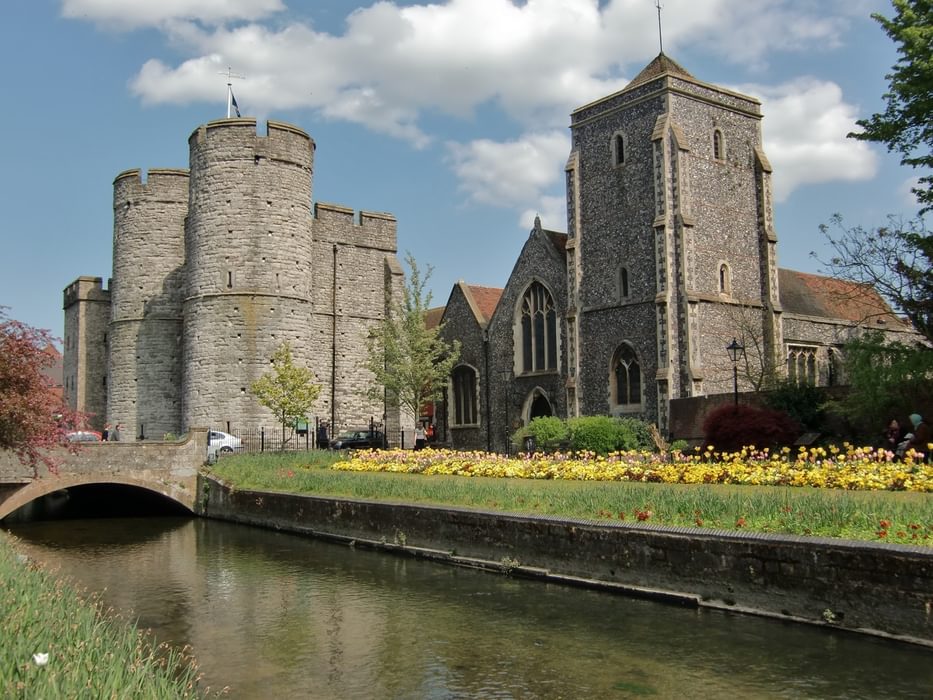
column 635, row 434
column 598, row 434
column 548, row 431
column 802, row 402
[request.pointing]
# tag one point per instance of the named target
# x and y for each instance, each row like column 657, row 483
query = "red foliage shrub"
column 729, row 428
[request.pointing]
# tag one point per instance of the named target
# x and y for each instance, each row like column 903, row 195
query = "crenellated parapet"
column 337, row 224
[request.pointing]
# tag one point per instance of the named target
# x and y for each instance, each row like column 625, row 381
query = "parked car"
column 83, row 436
column 222, row 443
column 358, row 439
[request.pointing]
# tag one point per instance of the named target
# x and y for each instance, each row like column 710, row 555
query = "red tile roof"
column 487, row 299
column 815, row 295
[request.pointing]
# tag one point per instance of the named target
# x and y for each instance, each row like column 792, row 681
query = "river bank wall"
column 883, row 590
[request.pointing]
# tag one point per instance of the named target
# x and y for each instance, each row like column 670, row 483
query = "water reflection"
column 276, row 615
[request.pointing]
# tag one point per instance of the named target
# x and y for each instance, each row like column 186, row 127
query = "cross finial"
column 657, row 4
column 231, row 100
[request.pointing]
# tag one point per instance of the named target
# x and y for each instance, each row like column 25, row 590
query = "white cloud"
column 513, row 173
column 132, row 14
column 535, row 61
column 531, row 61
column 804, row 130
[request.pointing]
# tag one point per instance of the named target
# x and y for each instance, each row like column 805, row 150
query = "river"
column 275, row 615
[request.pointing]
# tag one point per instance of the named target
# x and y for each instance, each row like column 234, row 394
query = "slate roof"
column 815, row 295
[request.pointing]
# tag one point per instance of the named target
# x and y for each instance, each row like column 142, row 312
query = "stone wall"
column 145, row 358
column 878, row 589
column 169, row 468
column 87, row 319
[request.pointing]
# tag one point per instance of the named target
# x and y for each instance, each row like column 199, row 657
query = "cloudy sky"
column 453, row 116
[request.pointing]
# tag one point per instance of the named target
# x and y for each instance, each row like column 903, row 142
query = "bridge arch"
column 44, row 487
column 169, row 469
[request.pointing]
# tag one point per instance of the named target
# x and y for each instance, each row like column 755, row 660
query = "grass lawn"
column 888, row 516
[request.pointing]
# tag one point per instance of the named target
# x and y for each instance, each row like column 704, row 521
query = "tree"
column 887, row 380
column 33, row 417
column 905, row 125
column 409, row 362
column 895, row 260
column 287, row 390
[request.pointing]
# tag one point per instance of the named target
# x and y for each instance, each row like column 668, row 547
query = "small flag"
column 236, row 107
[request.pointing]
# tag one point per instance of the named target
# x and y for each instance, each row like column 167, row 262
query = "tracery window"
column 801, row 364
column 539, row 330
column 627, row 374
column 463, row 381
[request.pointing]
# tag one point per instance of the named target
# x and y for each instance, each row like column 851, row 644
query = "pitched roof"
column 661, row 65
column 486, row 299
column 558, row 240
column 815, row 295
column 432, row 317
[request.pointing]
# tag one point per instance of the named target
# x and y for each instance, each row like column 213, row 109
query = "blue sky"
column 453, row 116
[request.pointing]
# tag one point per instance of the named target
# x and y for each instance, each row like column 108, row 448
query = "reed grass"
column 59, row 644
column 889, row 516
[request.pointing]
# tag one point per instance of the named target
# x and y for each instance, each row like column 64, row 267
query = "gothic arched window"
column 618, row 149
column 719, row 151
column 463, row 382
column 539, row 330
column 725, row 279
column 627, row 375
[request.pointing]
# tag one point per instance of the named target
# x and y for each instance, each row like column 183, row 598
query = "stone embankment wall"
column 885, row 590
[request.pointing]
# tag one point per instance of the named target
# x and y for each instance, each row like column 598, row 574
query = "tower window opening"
column 618, row 149
column 718, row 146
column 229, row 279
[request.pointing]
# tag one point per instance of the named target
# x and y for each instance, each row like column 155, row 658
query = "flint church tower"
column 670, row 243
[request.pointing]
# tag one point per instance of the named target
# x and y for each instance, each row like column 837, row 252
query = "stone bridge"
column 166, row 468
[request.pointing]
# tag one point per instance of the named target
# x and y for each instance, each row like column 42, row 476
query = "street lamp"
column 734, row 349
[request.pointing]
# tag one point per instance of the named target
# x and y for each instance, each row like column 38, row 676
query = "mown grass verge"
column 902, row 517
column 58, row 644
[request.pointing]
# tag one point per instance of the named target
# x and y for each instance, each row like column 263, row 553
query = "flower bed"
column 848, row 467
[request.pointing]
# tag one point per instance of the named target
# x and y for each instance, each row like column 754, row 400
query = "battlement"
column 86, row 288
column 160, row 183
column 339, row 224
column 282, row 142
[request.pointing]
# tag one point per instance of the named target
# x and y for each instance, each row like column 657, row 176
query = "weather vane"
column 657, row 4
column 231, row 100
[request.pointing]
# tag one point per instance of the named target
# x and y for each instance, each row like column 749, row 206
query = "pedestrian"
column 419, row 436
column 322, row 441
column 105, row 433
column 892, row 435
column 118, row 432
column 922, row 437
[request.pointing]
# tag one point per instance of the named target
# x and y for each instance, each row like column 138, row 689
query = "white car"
column 222, row 443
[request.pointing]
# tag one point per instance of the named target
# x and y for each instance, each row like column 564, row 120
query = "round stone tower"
column 146, row 303
column 249, row 252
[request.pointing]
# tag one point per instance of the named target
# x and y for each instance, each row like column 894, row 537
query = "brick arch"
column 45, row 486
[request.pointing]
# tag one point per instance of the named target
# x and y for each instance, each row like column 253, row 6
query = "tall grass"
column 56, row 644
column 860, row 515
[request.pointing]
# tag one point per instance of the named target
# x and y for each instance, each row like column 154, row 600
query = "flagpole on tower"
column 657, row 4
column 231, row 100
